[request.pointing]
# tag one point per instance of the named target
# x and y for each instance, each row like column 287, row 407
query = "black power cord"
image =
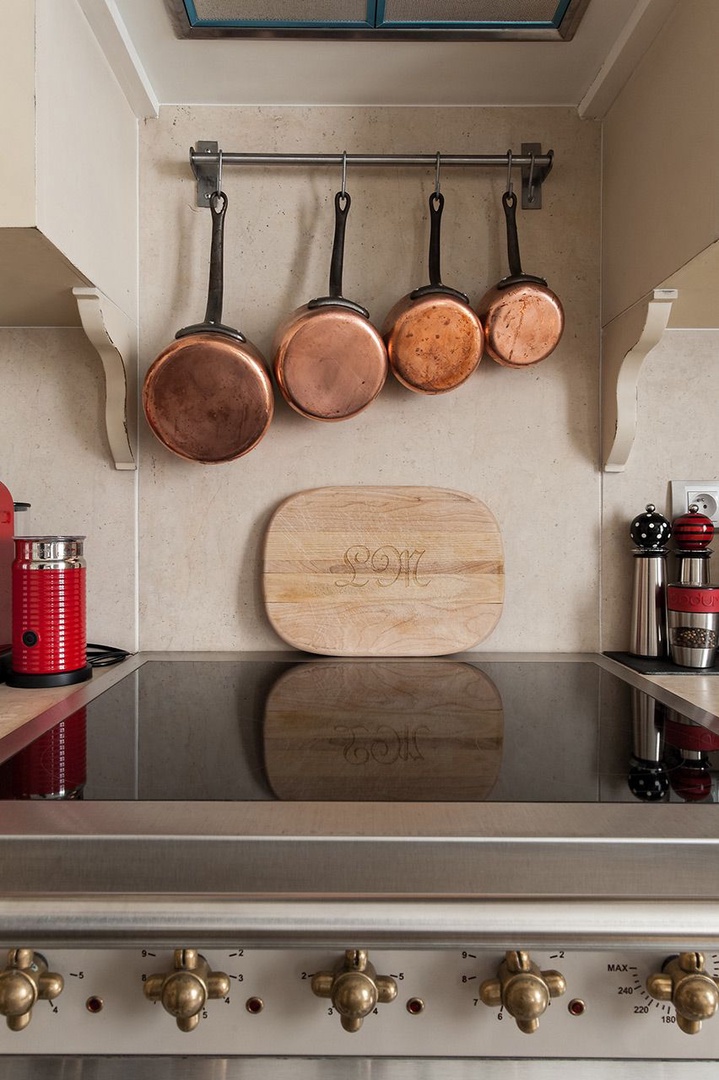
column 97, row 656
column 104, row 655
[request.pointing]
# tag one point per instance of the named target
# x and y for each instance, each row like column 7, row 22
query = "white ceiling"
column 585, row 73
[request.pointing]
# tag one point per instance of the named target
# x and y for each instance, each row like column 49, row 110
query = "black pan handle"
column 218, row 209
column 338, row 302
column 436, row 206
column 342, row 209
column 509, row 202
column 212, row 323
column 335, row 298
column 516, row 274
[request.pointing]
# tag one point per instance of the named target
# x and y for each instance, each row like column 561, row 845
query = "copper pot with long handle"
column 208, row 395
column 329, row 360
column 523, row 319
column 434, row 339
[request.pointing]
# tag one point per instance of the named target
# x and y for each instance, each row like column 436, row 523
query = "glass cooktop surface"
column 435, row 730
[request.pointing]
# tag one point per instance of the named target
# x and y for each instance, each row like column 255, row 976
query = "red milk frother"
column 49, row 646
column 7, row 517
column 51, row 767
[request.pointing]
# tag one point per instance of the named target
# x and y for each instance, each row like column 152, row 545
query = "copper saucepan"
column 208, row 396
column 330, row 361
column 523, row 319
column 434, row 339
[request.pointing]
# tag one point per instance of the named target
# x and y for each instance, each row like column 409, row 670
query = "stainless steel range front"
column 220, row 862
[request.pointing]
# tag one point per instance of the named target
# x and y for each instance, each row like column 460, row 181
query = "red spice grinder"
column 49, row 646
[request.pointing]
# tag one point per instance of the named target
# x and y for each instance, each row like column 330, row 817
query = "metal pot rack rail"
column 207, row 162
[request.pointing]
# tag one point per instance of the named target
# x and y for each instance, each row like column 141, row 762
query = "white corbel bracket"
column 114, row 336
column 643, row 325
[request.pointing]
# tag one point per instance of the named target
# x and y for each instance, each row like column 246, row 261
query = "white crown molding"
column 639, row 32
column 113, row 38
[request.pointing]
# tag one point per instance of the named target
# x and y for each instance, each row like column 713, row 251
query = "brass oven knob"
column 185, row 990
column 354, row 987
column 692, row 991
column 522, row 989
column 23, row 981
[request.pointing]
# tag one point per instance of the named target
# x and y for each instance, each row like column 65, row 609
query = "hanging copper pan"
column 523, row 319
column 329, row 360
column 208, row 396
column 434, row 339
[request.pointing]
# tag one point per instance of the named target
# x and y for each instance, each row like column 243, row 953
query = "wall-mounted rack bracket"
column 533, row 175
column 114, row 337
column 204, row 163
column 535, row 165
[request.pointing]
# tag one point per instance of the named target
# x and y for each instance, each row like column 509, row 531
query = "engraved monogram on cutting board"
column 384, row 746
column 385, row 566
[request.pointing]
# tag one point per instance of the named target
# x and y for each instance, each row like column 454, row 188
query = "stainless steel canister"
column 693, row 616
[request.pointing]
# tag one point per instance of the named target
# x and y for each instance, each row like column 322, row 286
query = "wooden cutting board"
column 383, row 730
column 383, row 571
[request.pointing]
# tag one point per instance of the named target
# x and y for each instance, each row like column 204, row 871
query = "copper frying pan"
column 330, row 362
column 208, row 396
column 523, row 319
column 434, row 339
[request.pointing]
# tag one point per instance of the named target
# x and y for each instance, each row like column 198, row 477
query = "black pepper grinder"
column 647, row 779
column 650, row 532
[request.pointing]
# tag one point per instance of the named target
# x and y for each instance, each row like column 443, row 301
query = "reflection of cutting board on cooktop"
column 383, row 730
column 383, row 571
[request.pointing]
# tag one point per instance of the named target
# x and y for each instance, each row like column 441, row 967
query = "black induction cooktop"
column 383, row 730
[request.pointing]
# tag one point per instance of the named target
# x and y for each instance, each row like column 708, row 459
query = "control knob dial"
column 354, row 987
column 523, row 990
column 185, row 990
column 25, row 980
column 692, row 991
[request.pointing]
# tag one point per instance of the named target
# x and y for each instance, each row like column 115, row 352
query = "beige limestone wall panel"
column 54, row 455
column 525, row 442
column 677, row 426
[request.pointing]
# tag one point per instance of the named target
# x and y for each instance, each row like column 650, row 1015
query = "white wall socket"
column 705, row 493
